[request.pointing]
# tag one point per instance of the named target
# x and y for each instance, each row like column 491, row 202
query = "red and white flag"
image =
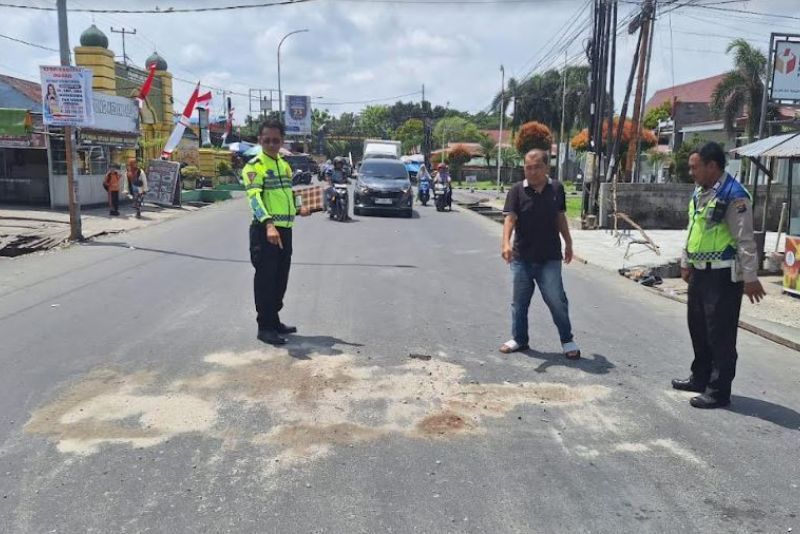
column 204, row 101
column 183, row 122
column 145, row 89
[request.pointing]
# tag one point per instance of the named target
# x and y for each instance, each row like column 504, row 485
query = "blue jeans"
column 548, row 275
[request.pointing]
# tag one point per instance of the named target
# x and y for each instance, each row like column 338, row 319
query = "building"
column 24, row 176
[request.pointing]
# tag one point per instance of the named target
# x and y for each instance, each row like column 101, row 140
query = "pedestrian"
column 535, row 212
column 720, row 263
column 137, row 185
column 112, row 183
column 268, row 181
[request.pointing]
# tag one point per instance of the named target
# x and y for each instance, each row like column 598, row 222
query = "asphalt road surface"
column 134, row 396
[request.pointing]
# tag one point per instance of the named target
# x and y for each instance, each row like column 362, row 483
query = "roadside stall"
column 779, row 155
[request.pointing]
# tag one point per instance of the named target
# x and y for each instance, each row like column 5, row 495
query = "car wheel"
column 356, row 211
column 408, row 214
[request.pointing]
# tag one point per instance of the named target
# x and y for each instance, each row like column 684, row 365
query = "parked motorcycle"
column 424, row 191
column 301, row 177
column 442, row 197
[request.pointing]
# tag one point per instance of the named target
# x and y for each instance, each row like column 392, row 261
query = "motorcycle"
column 441, row 197
column 301, row 177
column 338, row 205
column 424, row 191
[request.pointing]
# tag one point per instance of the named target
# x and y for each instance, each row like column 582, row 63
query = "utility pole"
column 75, row 233
column 612, row 73
column 502, row 114
column 562, row 146
column 124, row 32
column 644, row 37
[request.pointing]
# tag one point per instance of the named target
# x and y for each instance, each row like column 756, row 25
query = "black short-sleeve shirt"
column 536, row 234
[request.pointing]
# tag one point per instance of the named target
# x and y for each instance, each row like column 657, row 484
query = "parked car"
column 302, row 162
column 383, row 185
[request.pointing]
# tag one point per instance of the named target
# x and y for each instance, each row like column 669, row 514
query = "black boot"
column 689, row 384
column 708, row 402
column 271, row 337
column 286, row 329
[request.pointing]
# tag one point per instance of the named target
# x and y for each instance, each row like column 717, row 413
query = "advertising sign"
column 163, row 181
column 298, row 115
column 115, row 114
column 786, row 71
column 67, row 96
column 791, row 266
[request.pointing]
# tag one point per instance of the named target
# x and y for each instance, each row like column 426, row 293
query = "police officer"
column 268, row 182
column 720, row 263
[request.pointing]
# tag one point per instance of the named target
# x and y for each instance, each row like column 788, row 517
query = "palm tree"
column 742, row 88
column 489, row 147
column 506, row 96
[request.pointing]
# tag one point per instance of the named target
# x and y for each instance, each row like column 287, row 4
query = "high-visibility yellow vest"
column 268, row 182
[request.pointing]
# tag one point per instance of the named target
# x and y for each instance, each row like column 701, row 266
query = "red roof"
column 30, row 89
column 696, row 91
column 495, row 135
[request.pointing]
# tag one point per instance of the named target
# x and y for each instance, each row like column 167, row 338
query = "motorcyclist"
column 442, row 176
column 334, row 175
column 423, row 176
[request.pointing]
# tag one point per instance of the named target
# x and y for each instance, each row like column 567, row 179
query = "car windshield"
column 388, row 170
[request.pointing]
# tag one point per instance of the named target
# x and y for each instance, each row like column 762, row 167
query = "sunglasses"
column 272, row 140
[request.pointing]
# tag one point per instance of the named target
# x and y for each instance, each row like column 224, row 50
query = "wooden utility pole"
column 644, row 37
column 75, row 233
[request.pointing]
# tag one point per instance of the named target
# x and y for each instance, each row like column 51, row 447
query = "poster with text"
column 163, row 182
column 786, row 71
column 298, row 115
column 66, row 96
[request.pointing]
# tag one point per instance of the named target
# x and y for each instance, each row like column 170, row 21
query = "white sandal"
column 571, row 350
column 512, row 346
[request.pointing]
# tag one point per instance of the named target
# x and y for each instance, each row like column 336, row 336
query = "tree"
column 648, row 139
column 658, row 159
column 411, row 133
column 509, row 156
column 489, row 147
column 741, row 88
column 458, row 156
column 681, row 158
column 534, row 135
column 456, row 129
column 336, row 148
column 375, row 121
column 660, row 113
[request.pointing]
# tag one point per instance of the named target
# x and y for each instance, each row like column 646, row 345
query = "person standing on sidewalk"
column 137, row 185
column 720, row 263
column 268, row 182
column 112, row 183
column 535, row 212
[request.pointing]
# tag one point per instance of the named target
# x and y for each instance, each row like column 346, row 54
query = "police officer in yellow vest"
column 268, row 182
column 720, row 263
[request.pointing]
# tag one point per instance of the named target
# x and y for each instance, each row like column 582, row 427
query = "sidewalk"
column 25, row 230
column 776, row 318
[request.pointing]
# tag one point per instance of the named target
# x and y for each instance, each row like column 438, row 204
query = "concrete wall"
column 665, row 206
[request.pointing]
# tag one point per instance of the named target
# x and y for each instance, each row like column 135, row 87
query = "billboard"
column 66, row 96
column 786, row 71
column 298, row 115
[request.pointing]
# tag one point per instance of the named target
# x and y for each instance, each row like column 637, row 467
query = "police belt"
column 703, row 265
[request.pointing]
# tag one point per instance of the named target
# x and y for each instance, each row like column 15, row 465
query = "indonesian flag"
column 145, row 89
column 183, row 122
column 204, row 101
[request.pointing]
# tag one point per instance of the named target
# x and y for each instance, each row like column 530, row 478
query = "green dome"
column 94, row 37
column 161, row 64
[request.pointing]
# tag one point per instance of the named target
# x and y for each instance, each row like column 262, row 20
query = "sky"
column 375, row 50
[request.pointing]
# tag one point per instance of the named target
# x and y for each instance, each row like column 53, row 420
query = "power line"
column 28, row 43
column 368, row 101
column 157, row 11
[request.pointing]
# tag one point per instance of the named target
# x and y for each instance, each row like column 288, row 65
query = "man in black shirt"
column 535, row 212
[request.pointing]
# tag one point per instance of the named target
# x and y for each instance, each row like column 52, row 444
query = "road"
column 134, row 396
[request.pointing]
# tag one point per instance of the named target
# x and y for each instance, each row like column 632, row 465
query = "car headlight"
column 363, row 189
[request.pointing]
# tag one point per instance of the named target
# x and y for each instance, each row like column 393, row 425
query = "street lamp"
column 280, row 94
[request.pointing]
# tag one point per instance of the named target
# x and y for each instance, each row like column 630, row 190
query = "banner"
column 298, row 115
column 786, row 71
column 202, row 126
column 115, row 114
column 163, row 181
column 67, row 96
column 183, row 123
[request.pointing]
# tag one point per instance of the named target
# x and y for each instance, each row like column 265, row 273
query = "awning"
column 777, row 146
column 15, row 122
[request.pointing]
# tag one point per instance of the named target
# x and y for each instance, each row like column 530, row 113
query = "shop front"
column 23, row 158
column 112, row 139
